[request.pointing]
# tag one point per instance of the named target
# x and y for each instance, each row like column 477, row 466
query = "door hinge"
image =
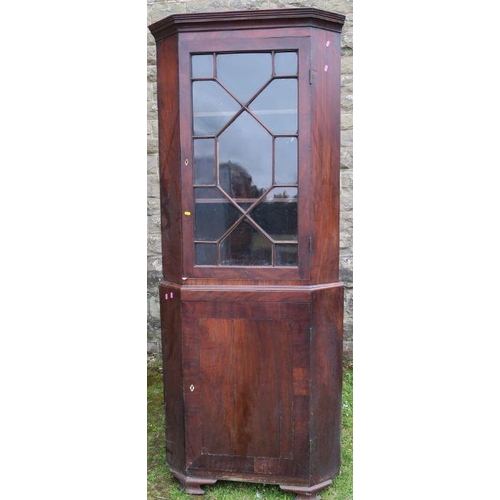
column 311, row 76
column 310, row 244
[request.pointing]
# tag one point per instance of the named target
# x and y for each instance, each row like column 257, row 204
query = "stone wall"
column 158, row 9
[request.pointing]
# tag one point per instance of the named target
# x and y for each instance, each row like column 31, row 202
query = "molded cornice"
column 245, row 19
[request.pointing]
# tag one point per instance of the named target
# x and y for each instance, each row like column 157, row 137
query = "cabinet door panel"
column 246, row 387
column 246, row 137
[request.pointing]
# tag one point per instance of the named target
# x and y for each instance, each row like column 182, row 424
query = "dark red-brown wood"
column 253, row 355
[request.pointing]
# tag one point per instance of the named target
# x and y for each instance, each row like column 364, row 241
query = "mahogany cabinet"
column 251, row 303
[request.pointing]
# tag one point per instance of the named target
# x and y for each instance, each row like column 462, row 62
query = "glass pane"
column 244, row 74
column 213, row 107
column 204, row 161
column 285, row 63
column 276, row 106
column 246, row 246
column 201, row 194
column 202, row 66
column 285, row 151
column 286, row 255
column 277, row 214
column 245, row 159
column 214, row 215
column 206, row 254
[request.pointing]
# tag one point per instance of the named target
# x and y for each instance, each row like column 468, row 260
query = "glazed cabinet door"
column 245, row 146
column 246, row 372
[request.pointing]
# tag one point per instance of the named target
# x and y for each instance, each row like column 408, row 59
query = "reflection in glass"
column 211, row 193
column 245, row 159
column 213, row 107
column 206, row 254
column 285, row 150
column 214, row 215
column 239, row 159
column 245, row 246
column 277, row 214
column 276, row 106
column 244, row 74
column 202, row 66
column 285, row 63
column 286, row 255
column 204, row 161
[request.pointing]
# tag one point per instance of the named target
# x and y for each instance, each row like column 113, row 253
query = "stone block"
column 348, row 302
column 153, row 206
column 160, row 10
column 346, row 83
column 154, row 306
column 153, row 164
column 348, row 350
column 153, row 317
column 154, row 223
column 153, row 278
column 346, row 138
column 152, row 116
column 151, row 55
column 154, row 263
column 213, row 6
column 346, row 157
column 152, row 145
column 154, row 127
column 151, row 39
column 340, row 6
column 348, row 329
column 152, row 110
column 346, row 221
column 346, row 65
column 154, row 328
column 154, row 346
column 346, row 190
column 346, row 51
column 151, row 73
column 154, row 244
column 347, row 38
column 346, row 203
column 346, row 269
column 153, row 186
column 346, row 121
column 346, row 101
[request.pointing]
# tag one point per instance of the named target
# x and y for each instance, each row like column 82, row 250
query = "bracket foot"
column 306, row 492
column 192, row 485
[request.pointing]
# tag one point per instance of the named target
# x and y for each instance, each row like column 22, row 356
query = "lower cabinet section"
column 252, row 384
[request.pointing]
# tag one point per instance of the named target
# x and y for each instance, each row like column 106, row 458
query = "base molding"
column 192, row 485
column 306, row 492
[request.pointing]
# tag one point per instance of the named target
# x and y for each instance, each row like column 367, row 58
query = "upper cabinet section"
column 249, row 146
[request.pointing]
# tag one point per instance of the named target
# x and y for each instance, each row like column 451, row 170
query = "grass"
column 163, row 486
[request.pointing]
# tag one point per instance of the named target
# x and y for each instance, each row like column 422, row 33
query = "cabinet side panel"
column 326, row 380
column 169, row 148
column 325, row 151
column 171, row 332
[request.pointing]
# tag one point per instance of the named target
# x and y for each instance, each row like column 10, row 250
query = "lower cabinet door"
column 246, row 388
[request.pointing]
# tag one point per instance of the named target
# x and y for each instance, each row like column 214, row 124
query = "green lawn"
column 162, row 485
